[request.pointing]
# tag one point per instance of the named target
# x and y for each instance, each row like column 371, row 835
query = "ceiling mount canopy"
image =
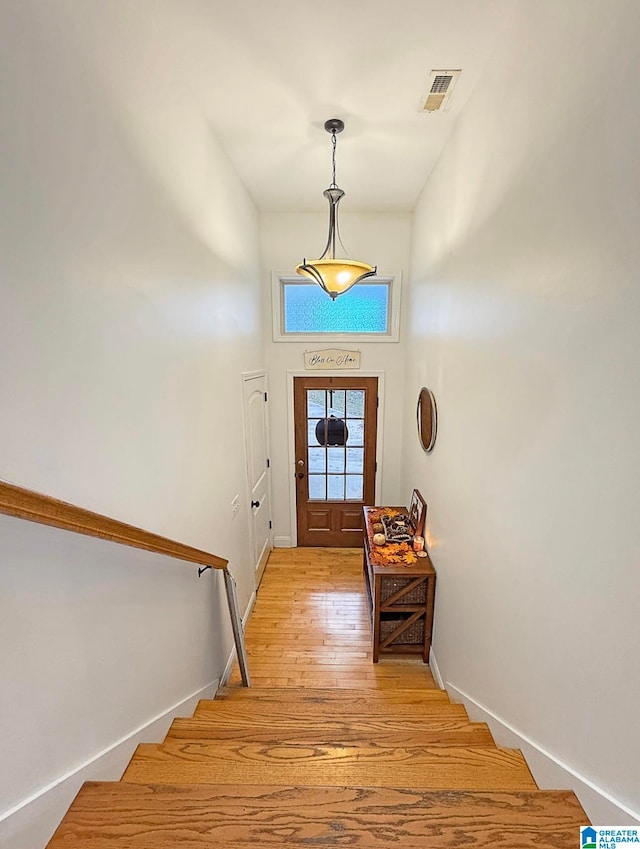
column 333, row 274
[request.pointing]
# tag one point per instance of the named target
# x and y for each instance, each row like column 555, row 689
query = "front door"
column 335, row 453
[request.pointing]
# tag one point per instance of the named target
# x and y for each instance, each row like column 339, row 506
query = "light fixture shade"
column 335, row 276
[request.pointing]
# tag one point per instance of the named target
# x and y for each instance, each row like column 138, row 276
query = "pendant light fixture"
column 335, row 275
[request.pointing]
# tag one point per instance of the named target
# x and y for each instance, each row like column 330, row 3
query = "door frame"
column 245, row 376
column 291, row 452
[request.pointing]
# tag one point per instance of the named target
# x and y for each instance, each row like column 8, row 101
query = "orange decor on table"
column 391, row 554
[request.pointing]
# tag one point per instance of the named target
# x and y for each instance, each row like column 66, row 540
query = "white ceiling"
column 269, row 73
column 288, row 65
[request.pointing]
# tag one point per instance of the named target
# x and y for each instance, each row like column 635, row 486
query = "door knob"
column 255, row 503
column 300, row 475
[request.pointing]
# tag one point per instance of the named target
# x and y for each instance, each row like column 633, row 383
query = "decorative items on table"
column 405, row 527
column 397, row 528
column 395, row 534
column 417, row 513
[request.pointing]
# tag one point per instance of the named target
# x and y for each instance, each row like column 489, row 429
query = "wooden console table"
column 401, row 589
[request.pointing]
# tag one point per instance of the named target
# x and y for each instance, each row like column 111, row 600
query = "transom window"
column 303, row 312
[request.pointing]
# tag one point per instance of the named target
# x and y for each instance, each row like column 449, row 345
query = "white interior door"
column 258, row 483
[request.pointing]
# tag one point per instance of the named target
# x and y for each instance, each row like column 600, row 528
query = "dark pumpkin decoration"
column 332, row 431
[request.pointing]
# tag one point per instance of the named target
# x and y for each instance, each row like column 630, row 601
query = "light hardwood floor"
column 310, row 627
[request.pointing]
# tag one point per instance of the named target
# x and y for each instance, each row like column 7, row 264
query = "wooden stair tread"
column 278, row 711
column 455, row 767
column 424, row 733
column 321, row 694
column 112, row 815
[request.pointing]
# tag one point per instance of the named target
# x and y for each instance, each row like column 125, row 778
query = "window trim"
column 279, row 279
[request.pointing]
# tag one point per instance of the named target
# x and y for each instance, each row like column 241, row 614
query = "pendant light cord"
column 334, row 142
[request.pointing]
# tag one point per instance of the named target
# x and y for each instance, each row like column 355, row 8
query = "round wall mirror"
column 427, row 419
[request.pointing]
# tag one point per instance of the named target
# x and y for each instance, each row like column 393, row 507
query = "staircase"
column 323, row 768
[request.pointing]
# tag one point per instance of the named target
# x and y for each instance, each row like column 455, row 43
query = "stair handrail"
column 35, row 507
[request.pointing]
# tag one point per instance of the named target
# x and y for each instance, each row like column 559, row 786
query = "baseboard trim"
column 548, row 770
column 249, row 608
column 282, row 542
column 48, row 804
column 435, row 669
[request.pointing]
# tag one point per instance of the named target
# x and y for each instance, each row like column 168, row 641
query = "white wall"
column 101, row 647
column 130, row 305
column 382, row 240
column 525, row 309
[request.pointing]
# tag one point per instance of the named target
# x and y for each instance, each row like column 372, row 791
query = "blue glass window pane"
column 363, row 309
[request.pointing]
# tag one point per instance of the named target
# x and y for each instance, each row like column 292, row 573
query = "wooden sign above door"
column 331, row 358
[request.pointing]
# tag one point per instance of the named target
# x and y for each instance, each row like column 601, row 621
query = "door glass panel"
column 318, row 460
column 336, row 488
column 336, row 457
column 316, row 400
column 354, row 486
column 356, row 433
column 335, row 472
column 336, row 402
column 311, row 432
column 355, row 403
column 355, row 460
column 317, row 487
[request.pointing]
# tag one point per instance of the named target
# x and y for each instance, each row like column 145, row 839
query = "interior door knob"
column 255, row 503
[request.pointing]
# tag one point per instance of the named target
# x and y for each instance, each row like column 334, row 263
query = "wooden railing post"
column 236, row 624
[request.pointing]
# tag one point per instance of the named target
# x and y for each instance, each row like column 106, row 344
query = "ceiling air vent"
column 441, row 84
